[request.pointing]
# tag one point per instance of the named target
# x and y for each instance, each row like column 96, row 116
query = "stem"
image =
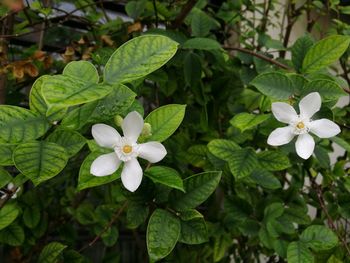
column 155, row 12
column 183, row 14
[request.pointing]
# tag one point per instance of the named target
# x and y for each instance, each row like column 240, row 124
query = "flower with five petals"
column 126, row 149
column 300, row 125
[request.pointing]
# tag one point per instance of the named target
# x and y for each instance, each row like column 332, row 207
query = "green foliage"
column 50, row 252
column 166, row 176
column 8, row 214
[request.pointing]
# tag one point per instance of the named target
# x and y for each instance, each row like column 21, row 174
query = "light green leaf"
column 222, row 148
column 273, row 160
column 198, row 188
column 265, row 179
column 319, row 237
column 31, row 216
column 299, row 50
column 12, row 235
column 165, row 175
column 87, row 180
column 245, row 121
column 163, row 232
column 274, row 85
column 40, row 161
column 325, row 52
column 19, row 125
column 297, row 252
column 139, row 57
column 164, row 121
column 81, row 70
column 201, row 43
column 193, row 232
column 70, row 140
column 329, row 90
column 6, row 154
column 51, row 252
column 243, row 162
column 8, row 214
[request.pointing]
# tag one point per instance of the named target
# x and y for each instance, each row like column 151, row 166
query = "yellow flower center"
column 127, row 149
column 300, row 125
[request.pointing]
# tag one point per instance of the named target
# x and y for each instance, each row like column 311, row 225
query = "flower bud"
column 147, row 130
column 118, row 120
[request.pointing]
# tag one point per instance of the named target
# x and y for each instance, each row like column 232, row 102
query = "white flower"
column 301, row 125
column 10, row 187
column 126, row 149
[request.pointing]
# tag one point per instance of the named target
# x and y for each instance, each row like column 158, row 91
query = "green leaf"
column 297, row 252
column 245, row 121
column 299, row 50
column 164, row 121
column 196, row 155
column 190, row 215
column 61, row 91
column 31, row 216
column 201, row 23
column 8, row 214
column 12, row 235
column 319, row 237
column 163, row 231
column 81, row 70
column 139, row 57
column 243, row 162
column 110, row 237
column 193, row 232
column 70, row 140
column 37, row 102
column 265, row 179
column 51, row 252
column 5, row 177
column 192, row 69
column 201, row 43
column 222, row 148
column 165, row 175
column 325, row 52
column 273, row 160
column 198, row 188
column 274, row 85
column 40, row 161
column 137, row 214
column 273, row 211
column 87, row 180
column 19, row 125
column 298, row 216
column 6, row 151
column 329, row 90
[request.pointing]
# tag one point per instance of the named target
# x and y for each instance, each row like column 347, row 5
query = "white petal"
column 105, row 164
column 305, row 145
column 283, row 112
column 132, row 126
column 280, row 136
column 152, row 151
column 324, row 128
column 309, row 105
column 104, row 135
column 132, row 175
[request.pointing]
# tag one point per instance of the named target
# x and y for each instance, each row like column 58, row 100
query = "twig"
column 250, row 52
column 155, row 12
column 183, row 14
column 110, row 223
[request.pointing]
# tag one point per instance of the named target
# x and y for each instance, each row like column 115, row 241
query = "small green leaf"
column 273, row 160
column 31, row 216
column 198, row 188
column 137, row 214
column 274, row 85
column 193, row 232
column 8, row 214
column 190, row 215
column 51, row 252
column 265, row 179
column 325, row 52
column 298, row 216
column 319, row 237
column 299, row 50
column 242, row 162
column 202, row 23
column 329, row 90
column 139, row 57
column 12, row 235
column 19, row 125
column 40, row 161
column 273, row 211
column 245, row 121
column 297, row 252
column 165, row 120
column 201, row 43
column 87, row 180
column 165, row 175
column 163, row 231
column 70, row 140
column 81, row 70
column 222, row 148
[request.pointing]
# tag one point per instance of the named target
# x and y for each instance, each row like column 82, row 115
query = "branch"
column 110, row 223
column 183, row 14
column 263, row 57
